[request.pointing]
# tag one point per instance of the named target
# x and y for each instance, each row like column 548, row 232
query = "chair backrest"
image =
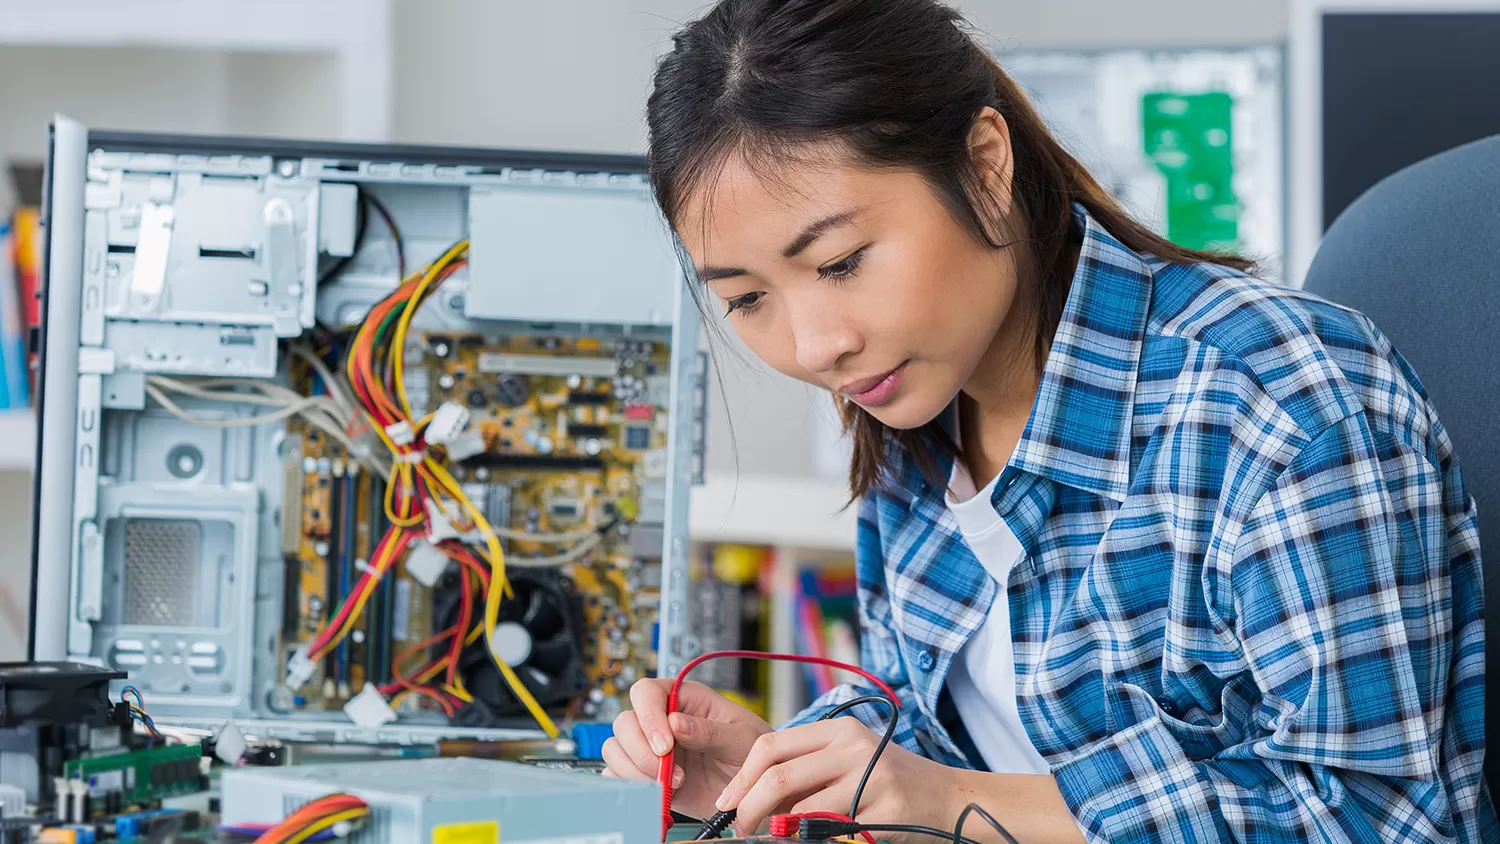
column 1419, row 254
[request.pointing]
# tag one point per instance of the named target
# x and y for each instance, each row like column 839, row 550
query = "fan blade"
column 553, row 656
column 544, row 618
column 512, row 609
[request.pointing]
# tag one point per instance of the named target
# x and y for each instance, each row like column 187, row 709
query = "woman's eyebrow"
column 808, row 236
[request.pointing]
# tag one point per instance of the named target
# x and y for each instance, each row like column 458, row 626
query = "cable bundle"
column 138, row 710
column 421, row 488
column 336, row 813
column 419, row 491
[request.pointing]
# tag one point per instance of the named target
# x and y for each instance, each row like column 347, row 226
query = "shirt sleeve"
column 879, row 653
column 1350, row 604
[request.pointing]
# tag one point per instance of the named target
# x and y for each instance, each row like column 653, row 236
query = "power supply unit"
column 473, row 801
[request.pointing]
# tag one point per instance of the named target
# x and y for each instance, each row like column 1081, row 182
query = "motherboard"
column 566, row 434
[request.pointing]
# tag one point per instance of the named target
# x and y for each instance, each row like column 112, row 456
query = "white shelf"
column 790, row 512
column 356, row 32
column 17, row 440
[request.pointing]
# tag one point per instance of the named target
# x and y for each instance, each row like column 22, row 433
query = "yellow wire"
column 324, row 823
column 398, row 341
column 437, row 669
column 496, row 558
column 403, row 474
column 387, row 553
column 498, row 584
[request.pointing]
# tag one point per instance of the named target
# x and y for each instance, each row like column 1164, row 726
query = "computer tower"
column 361, row 443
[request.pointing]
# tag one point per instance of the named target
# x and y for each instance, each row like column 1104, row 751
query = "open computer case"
column 216, row 513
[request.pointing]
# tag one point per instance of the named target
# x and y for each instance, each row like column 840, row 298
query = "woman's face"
column 856, row 280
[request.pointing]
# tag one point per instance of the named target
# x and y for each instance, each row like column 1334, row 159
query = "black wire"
column 890, row 730
column 390, row 223
column 988, row 818
column 715, row 826
column 361, row 225
column 921, row 830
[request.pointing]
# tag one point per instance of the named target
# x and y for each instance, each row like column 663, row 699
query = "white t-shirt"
column 982, row 680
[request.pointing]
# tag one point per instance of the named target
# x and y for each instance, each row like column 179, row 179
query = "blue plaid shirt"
column 1251, row 604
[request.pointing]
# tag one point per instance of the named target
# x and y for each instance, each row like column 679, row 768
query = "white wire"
column 334, row 384
column 571, row 555
column 550, row 538
column 322, row 412
column 234, row 422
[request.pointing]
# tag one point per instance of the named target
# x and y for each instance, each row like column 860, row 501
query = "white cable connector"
column 426, row 563
column 448, row 421
column 439, row 523
column 401, row 433
column 368, row 709
column 299, row 669
column 464, row 446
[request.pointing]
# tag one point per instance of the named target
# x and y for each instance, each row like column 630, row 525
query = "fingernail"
column 683, row 725
column 659, row 744
column 722, row 804
column 677, row 776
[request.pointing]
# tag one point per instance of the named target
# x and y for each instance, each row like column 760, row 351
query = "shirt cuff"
column 1138, row 785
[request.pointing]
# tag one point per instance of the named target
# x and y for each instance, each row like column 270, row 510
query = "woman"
column 1148, row 548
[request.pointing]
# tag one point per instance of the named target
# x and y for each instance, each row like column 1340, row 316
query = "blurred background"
column 1246, row 124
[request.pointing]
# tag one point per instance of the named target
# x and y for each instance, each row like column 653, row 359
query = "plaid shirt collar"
column 1079, row 432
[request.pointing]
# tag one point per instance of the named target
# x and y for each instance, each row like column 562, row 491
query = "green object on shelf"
column 140, row 776
column 1190, row 139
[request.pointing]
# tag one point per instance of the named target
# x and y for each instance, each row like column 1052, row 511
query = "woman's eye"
column 843, row 268
column 744, row 304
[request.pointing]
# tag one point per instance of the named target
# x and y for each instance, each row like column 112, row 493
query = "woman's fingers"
column 632, row 740
column 776, row 747
column 622, row 766
column 797, row 780
column 648, row 699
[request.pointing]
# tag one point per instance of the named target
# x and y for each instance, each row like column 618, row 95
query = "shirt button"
column 925, row 661
column 1168, row 706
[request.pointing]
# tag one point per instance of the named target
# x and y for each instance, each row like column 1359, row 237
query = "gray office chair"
column 1419, row 254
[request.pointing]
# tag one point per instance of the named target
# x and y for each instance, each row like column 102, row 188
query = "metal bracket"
column 700, row 417
column 151, row 256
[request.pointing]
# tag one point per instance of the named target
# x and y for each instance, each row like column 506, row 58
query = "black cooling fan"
column 538, row 636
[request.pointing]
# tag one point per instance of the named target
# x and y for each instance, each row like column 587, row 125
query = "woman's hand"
column 711, row 733
column 816, row 768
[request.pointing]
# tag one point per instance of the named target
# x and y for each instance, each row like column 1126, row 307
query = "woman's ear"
column 990, row 152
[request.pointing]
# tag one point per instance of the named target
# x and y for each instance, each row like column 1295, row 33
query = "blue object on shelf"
column 656, row 636
column 590, row 739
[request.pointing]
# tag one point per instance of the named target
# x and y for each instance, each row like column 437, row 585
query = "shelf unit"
column 803, row 513
column 357, row 33
column 804, row 521
column 17, row 440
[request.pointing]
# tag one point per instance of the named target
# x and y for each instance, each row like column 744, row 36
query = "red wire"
column 391, row 535
column 465, row 610
column 822, row 816
column 667, row 762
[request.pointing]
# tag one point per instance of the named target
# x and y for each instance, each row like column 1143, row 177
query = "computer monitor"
column 1376, row 86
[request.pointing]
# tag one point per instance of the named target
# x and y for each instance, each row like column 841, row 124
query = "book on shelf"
column 26, row 258
column 15, row 389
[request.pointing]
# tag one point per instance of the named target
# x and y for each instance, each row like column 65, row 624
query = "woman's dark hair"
column 893, row 84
